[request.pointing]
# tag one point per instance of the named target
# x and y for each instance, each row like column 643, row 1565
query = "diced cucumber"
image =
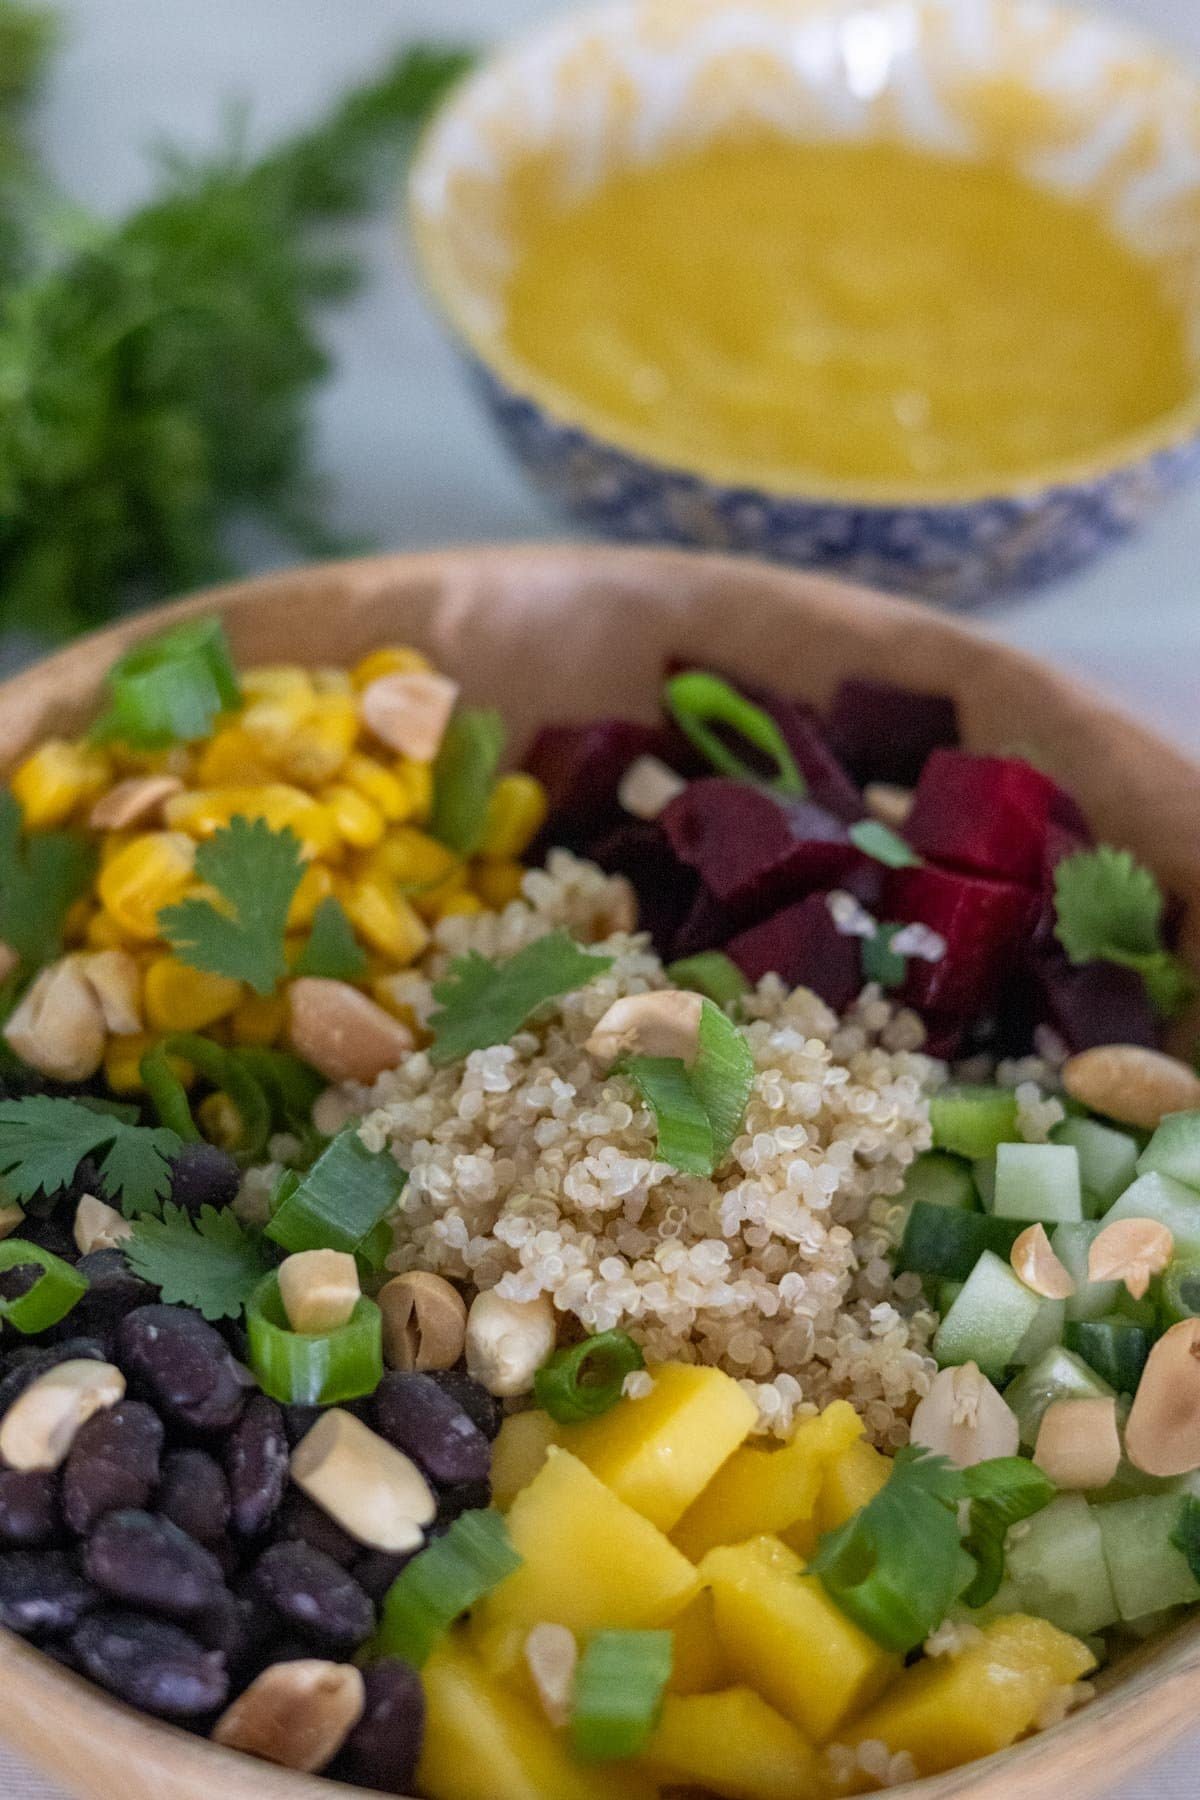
column 1056, row 1563
column 972, row 1120
column 1046, row 1330
column 984, row 1171
column 1174, row 1149
column 1114, row 1347
column 947, row 1294
column 1146, row 1570
column 1058, row 1375
column 1108, row 1158
column 1071, row 1244
column 1179, row 1297
column 937, row 1179
column 1038, row 1181
column 1161, row 1197
column 988, row 1321
column 942, row 1242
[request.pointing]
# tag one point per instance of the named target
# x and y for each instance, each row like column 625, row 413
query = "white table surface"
column 411, row 461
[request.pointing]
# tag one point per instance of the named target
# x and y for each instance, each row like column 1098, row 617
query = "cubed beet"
column 1096, row 1003
column 982, row 922
column 753, row 851
column 987, row 814
column 580, row 767
column 882, row 732
column 707, row 926
column 666, row 888
column 802, row 944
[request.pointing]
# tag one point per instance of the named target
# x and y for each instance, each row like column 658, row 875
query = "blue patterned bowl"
column 1073, row 101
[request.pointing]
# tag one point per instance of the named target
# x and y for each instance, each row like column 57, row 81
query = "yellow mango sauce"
column 840, row 314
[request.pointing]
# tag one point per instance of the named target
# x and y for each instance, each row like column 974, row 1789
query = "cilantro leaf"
column 484, row 1003
column 463, row 776
column 882, row 844
column 1002, row 1492
column 698, row 1110
column 880, row 962
column 1109, row 909
column 331, row 949
column 43, row 1140
column 210, row 1263
column 255, row 871
column 40, row 876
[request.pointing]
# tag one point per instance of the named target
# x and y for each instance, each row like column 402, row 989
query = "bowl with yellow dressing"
column 907, row 290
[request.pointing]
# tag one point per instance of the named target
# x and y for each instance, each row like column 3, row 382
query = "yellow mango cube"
column 589, row 1562
column 952, row 1709
column 764, row 1489
column 850, row 1482
column 519, row 1452
column 732, row 1744
column 697, row 1666
column 657, row 1453
column 782, row 1634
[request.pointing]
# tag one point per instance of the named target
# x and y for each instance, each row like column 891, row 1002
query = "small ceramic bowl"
column 1072, row 101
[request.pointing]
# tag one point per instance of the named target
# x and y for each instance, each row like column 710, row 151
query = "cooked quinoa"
column 530, row 1170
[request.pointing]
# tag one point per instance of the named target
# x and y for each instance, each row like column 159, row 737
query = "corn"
column 220, row 1121
column 385, row 919
column 56, row 779
column 103, row 932
column 316, row 884
column 206, row 810
column 418, row 783
column 286, row 682
column 179, row 998
column 259, row 1021
column 413, row 860
column 79, row 917
column 176, row 760
column 396, row 659
column 152, row 871
column 388, row 990
column 516, row 813
column 359, row 822
column 123, row 1060
column 462, row 902
column 112, row 844
column 497, row 883
column 331, row 681
column 322, row 740
column 431, row 902
column 378, row 785
column 231, row 758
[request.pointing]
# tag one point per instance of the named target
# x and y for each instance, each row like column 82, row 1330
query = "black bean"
column 376, row 1571
column 383, row 1749
column 425, row 1421
column 113, row 1291
column 16, row 1282
column 482, row 1408
column 144, row 1560
column 464, row 1496
column 232, row 1625
column 256, row 1462
column 42, row 1591
column 203, row 1175
column 312, row 1594
column 113, row 1463
column 302, row 1518
column 28, row 1509
column 299, row 1419
column 150, row 1664
column 23, row 1366
column 184, row 1364
column 51, row 1231
column 194, row 1494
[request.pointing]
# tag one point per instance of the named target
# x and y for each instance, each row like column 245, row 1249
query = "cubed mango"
column 851, row 1481
column 733, row 1744
column 519, row 1452
column 697, row 1666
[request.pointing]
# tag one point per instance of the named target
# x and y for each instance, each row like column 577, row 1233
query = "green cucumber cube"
column 1108, row 1159
column 1058, row 1375
column 1174, row 1149
column 940, row 1180
column 1146, row 1570
column 984, row 1171
column 1071, row 1244
column 1056, row 1563
column 1046, row 1331
column 1161, row 1197
column 988, row 1321
column 1038, row 1181
column 972, row 1120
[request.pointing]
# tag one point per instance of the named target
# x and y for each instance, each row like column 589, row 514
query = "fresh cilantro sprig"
column 698, row 1109
column 484, row 1003
column 255, row 871
column 882, row 844
column 211, row 1262
column 1109, row 908
column 331, row 949
column 41, row 875
column 43, row 1141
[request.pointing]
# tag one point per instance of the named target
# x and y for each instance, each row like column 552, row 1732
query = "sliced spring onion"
column 712, row 974
column 230, row 1075
column 1002, row 1492
column 463, row 777
column 895, row 1568
column 50, row 1298
column 685, row 1133
column 882, row 844
column 880, row 962
column 698, row 701
column 290, row 1085
column 619, row 1686
column 313, row 1368
column 171, row 689
column 722, row 1075
column 1180, row 1297
column 168, row 1095
column 448, row 1577
column 340, row 1200
column 585, row 1380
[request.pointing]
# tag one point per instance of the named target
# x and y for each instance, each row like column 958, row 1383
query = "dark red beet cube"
column 982, row 923
column 666, row 888
column 988, row 814
column 708, row 926
column 751, row 850
column 1096, row 1003
column 883, row 732
column 580, row 767
column 803, row 946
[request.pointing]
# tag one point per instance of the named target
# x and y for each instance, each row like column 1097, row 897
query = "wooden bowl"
column 568, row 632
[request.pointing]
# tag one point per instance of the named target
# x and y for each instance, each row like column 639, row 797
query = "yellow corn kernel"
column 220, row 1121
column 103, row 932
column 394, row 659
column 276, row 681
column 385, row 919
column 112, row 844
column 418, row 782
column 79, row 917
column 331, row 681
column 432, row 902
column 206, row 810
column 259, row 1020
column 387, row 990
column 175, row 760
column 323, row 739
column 152, row 871
column 57, row 779
column 123, row 1059
column 231, row 758
column 359, row 822
column 316, row 884
column 463, row 902
column 179, row 998
column 497, row 883
column 413, row 860
column 378, row 785
column 516, row 813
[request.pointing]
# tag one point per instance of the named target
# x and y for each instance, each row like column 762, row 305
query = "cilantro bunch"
column 1108, row 908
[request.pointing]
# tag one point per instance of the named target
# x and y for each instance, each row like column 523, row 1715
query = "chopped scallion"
column 698, row 1110
column 619, row 1688
column 698, row 701
column 168, row 1096
column 340, row 1200
column 230, row 1075
column 712, row 974
column 448, row 1577
column 585, row 1380
column 50, row 1298
column 463, row 777
column 882, row 844
column 313, row 1368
